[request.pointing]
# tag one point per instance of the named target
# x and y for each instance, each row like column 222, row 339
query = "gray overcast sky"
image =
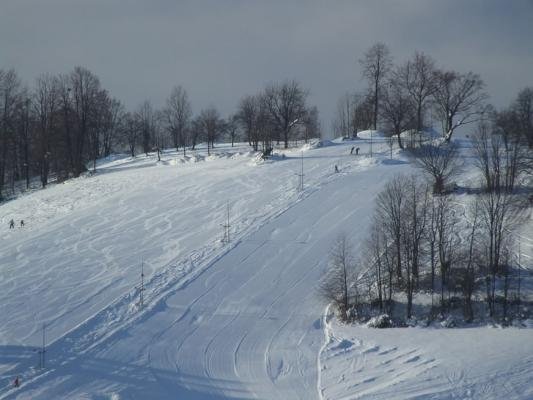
column 221, row 50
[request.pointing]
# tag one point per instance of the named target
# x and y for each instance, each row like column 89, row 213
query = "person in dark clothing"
column 16, row 382
column 11, row 224
column 351, row 151
column 22, row 223
column 336, row 169
column 357, row 151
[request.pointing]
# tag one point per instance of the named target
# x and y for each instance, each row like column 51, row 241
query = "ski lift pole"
column 141, row 292
column 226, row 226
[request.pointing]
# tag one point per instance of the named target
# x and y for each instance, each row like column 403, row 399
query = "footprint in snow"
column 412, row 359
column 370, row 350
column 387, row 351
column 344, row 344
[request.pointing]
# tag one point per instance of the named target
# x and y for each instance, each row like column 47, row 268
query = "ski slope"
column 84, row 240
column 416, row 363
column 239, row 320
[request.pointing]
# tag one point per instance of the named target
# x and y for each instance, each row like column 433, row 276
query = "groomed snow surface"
column 233, row 320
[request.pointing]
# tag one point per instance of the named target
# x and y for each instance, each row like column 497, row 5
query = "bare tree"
column 311, row 125
column 413, row 226
column 446, row 228
column 431, row 239
column 247, row 116
column 255, row 118
column 177, row 114
column 523, row 107
column 389, row 205
column 378, row 256
column 85, row 90
column 363, row 112
column 113, row 113
column 458, row 99
column 500, row 158
column 158, row 133
column 26, row 133
column 418, row 79
column 469, row 261
column 499, row 213
column 286, row 105
column 499, row 208
column 440, row 162
column 68, row 116
column 46, row 102
column 130, row 132
column 210, row 126
column 196, row 131
column 10, row 87
column 342, row 124
column 99, row 127
column 145, row 117
column 335, row 286
column 396, row 109
column 232, row 128
column 264, row 126
column 376, row 64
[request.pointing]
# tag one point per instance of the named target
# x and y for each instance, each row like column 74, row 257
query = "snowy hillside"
column 220, row 320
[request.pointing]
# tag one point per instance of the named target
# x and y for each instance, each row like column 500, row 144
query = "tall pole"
column 141, row 291
column 226, row 226
column 43, row 349
column 371, row 143
column 302, row 174
column 519, row 268
column 227, row 223
column 26, row 140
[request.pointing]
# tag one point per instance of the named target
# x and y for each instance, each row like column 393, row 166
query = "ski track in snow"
column 98, row 330
column 220, row 321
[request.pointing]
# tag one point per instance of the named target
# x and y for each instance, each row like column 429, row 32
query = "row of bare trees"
column 55, row 126
column 400, row 97
column 422, row 240
column 65, row 122
column 278, row 113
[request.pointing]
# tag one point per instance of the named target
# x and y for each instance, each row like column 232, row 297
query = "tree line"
column 408, row 96
column 61, row 125
column 422, row 241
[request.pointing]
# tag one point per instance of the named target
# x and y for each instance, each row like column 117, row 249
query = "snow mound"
column 324, row 143
column 428, row 133
column 370, row 134
column 380, row 321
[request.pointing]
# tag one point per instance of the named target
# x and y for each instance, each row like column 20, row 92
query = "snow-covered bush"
column 380, row 321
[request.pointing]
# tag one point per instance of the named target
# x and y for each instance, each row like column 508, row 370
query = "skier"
column 12, row 224
column 16, row 382
column 22, row 223
column 351, row 151
column 336, row 169
column 357, row 151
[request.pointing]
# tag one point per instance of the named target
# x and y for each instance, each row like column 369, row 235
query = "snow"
column 370, row 134
column 237, row 320
column 427, row 133
column 472, row 363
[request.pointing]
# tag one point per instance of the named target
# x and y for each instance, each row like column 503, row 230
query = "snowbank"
column 398, row 363
column 370, row 134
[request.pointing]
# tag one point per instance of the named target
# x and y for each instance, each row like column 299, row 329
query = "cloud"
column 221, row 50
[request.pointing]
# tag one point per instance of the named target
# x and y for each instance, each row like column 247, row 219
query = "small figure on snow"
column 11, row 224
column 16, row 382
column 357, row 151
column 336, row 169
column 351, row 151
column 22, row 223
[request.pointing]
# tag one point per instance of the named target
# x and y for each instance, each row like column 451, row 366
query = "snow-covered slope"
column 425, row 363
column 237, row 320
